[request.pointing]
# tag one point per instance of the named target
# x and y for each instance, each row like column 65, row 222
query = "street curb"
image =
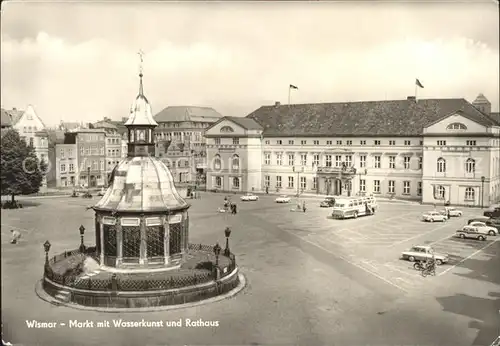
column 40, row 292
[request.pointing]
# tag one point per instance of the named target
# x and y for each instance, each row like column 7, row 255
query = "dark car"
column 493, row 211
column 328, row 202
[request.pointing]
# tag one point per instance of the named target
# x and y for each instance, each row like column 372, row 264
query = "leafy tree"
column 21, row 173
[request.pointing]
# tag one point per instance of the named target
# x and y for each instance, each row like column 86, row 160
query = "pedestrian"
column 15, row 236
column 304, row 206
column 267, row 190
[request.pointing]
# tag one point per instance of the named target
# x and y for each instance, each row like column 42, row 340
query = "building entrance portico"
column 335, row 181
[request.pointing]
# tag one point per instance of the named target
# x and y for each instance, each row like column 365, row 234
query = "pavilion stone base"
column 141, row 289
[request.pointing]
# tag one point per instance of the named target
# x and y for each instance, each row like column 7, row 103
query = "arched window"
column 470, row 194
column 236, row 182
column 441, row 165
column 226, row 129
column 440, row 192
column 470, row 166
column 217, row 162
column 235, row 162
column 456, row 126
column 218, row 181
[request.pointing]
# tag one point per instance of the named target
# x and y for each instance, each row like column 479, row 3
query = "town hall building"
column 433, row 150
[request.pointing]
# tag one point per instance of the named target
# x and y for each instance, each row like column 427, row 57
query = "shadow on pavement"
column 485, row 313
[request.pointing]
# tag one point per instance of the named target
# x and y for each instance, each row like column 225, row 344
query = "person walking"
column 15, row 236
column 304, row 206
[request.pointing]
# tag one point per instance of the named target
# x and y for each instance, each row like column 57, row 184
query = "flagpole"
column 289, row 94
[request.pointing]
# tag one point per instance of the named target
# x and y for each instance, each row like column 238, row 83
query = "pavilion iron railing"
column 129, row 283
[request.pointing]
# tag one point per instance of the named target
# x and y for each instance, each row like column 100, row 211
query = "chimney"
column 411, row 98
column 277, row 104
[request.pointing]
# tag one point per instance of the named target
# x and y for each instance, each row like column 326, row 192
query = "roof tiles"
column 383, row 118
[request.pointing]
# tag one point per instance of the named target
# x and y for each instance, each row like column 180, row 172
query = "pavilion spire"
column 141, row 57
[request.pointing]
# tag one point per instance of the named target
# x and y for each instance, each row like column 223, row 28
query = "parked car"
column 283, row 199
column 470, row 233
column 101, row 192
column 452, row 211
column 249, row 197
column 493, row 211
column 488, row 221
column 328, row 202
column 424, row 253
column 433, row 216
column 482, row 228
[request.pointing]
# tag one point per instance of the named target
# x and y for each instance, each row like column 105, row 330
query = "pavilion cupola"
column 141, row 124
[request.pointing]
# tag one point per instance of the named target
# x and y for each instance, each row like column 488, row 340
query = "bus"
column 352, row 207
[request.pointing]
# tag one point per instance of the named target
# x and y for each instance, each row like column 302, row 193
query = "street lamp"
column 482, row 191
column 298, row 171
column 217, row 249
column 46, row 247
column 82, row 232
column 227, row 233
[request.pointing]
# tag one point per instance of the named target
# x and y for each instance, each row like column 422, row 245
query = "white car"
column 283, row 199
column 481, row 228
column 249, row 197
column 424, row 253
column 453, row 212
column 433, row 216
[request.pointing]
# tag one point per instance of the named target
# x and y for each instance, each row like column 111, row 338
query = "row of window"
column 338, row 142
column 469, row 143
column 470, row 165
column 186, row 124
column 91, row 150
column 340, row 160
column 440, row 193
column 114, row 152
column 114, row 140
column 194, row 136
column 30, row 129
column 236, row 141
column 90, row 138
column 235, row 162
column 94, row 165
column 235, row 182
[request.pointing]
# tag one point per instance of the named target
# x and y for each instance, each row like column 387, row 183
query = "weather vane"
column 141, row 56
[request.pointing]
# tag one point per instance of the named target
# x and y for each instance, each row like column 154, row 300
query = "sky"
column 79, row 62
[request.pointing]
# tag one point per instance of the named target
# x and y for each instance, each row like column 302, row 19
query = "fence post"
column 114, row 282
column 90, row 284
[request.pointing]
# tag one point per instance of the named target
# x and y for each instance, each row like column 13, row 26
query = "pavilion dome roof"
column 141, row 184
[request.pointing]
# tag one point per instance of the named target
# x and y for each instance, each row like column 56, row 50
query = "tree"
column 21, row 173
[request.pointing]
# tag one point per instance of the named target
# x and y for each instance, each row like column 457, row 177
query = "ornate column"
column 143, row 259
column 101, row 240
column 119, row 242
column 166, row 237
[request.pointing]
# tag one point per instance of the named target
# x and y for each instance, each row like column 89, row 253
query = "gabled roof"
column 13, row 114
column 481, row 99
column 104, row 125
column 246, row 123
column 187, row 113
column 382, row 118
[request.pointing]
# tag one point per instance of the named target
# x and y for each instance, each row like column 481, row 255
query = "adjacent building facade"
column 180, row 141
column 91, row 157
column 113, row 145
column 32, row 129
column 433, row 150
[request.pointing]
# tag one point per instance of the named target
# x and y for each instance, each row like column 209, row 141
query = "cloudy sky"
column 78, row 61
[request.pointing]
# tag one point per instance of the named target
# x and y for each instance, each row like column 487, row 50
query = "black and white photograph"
column 257, row 173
